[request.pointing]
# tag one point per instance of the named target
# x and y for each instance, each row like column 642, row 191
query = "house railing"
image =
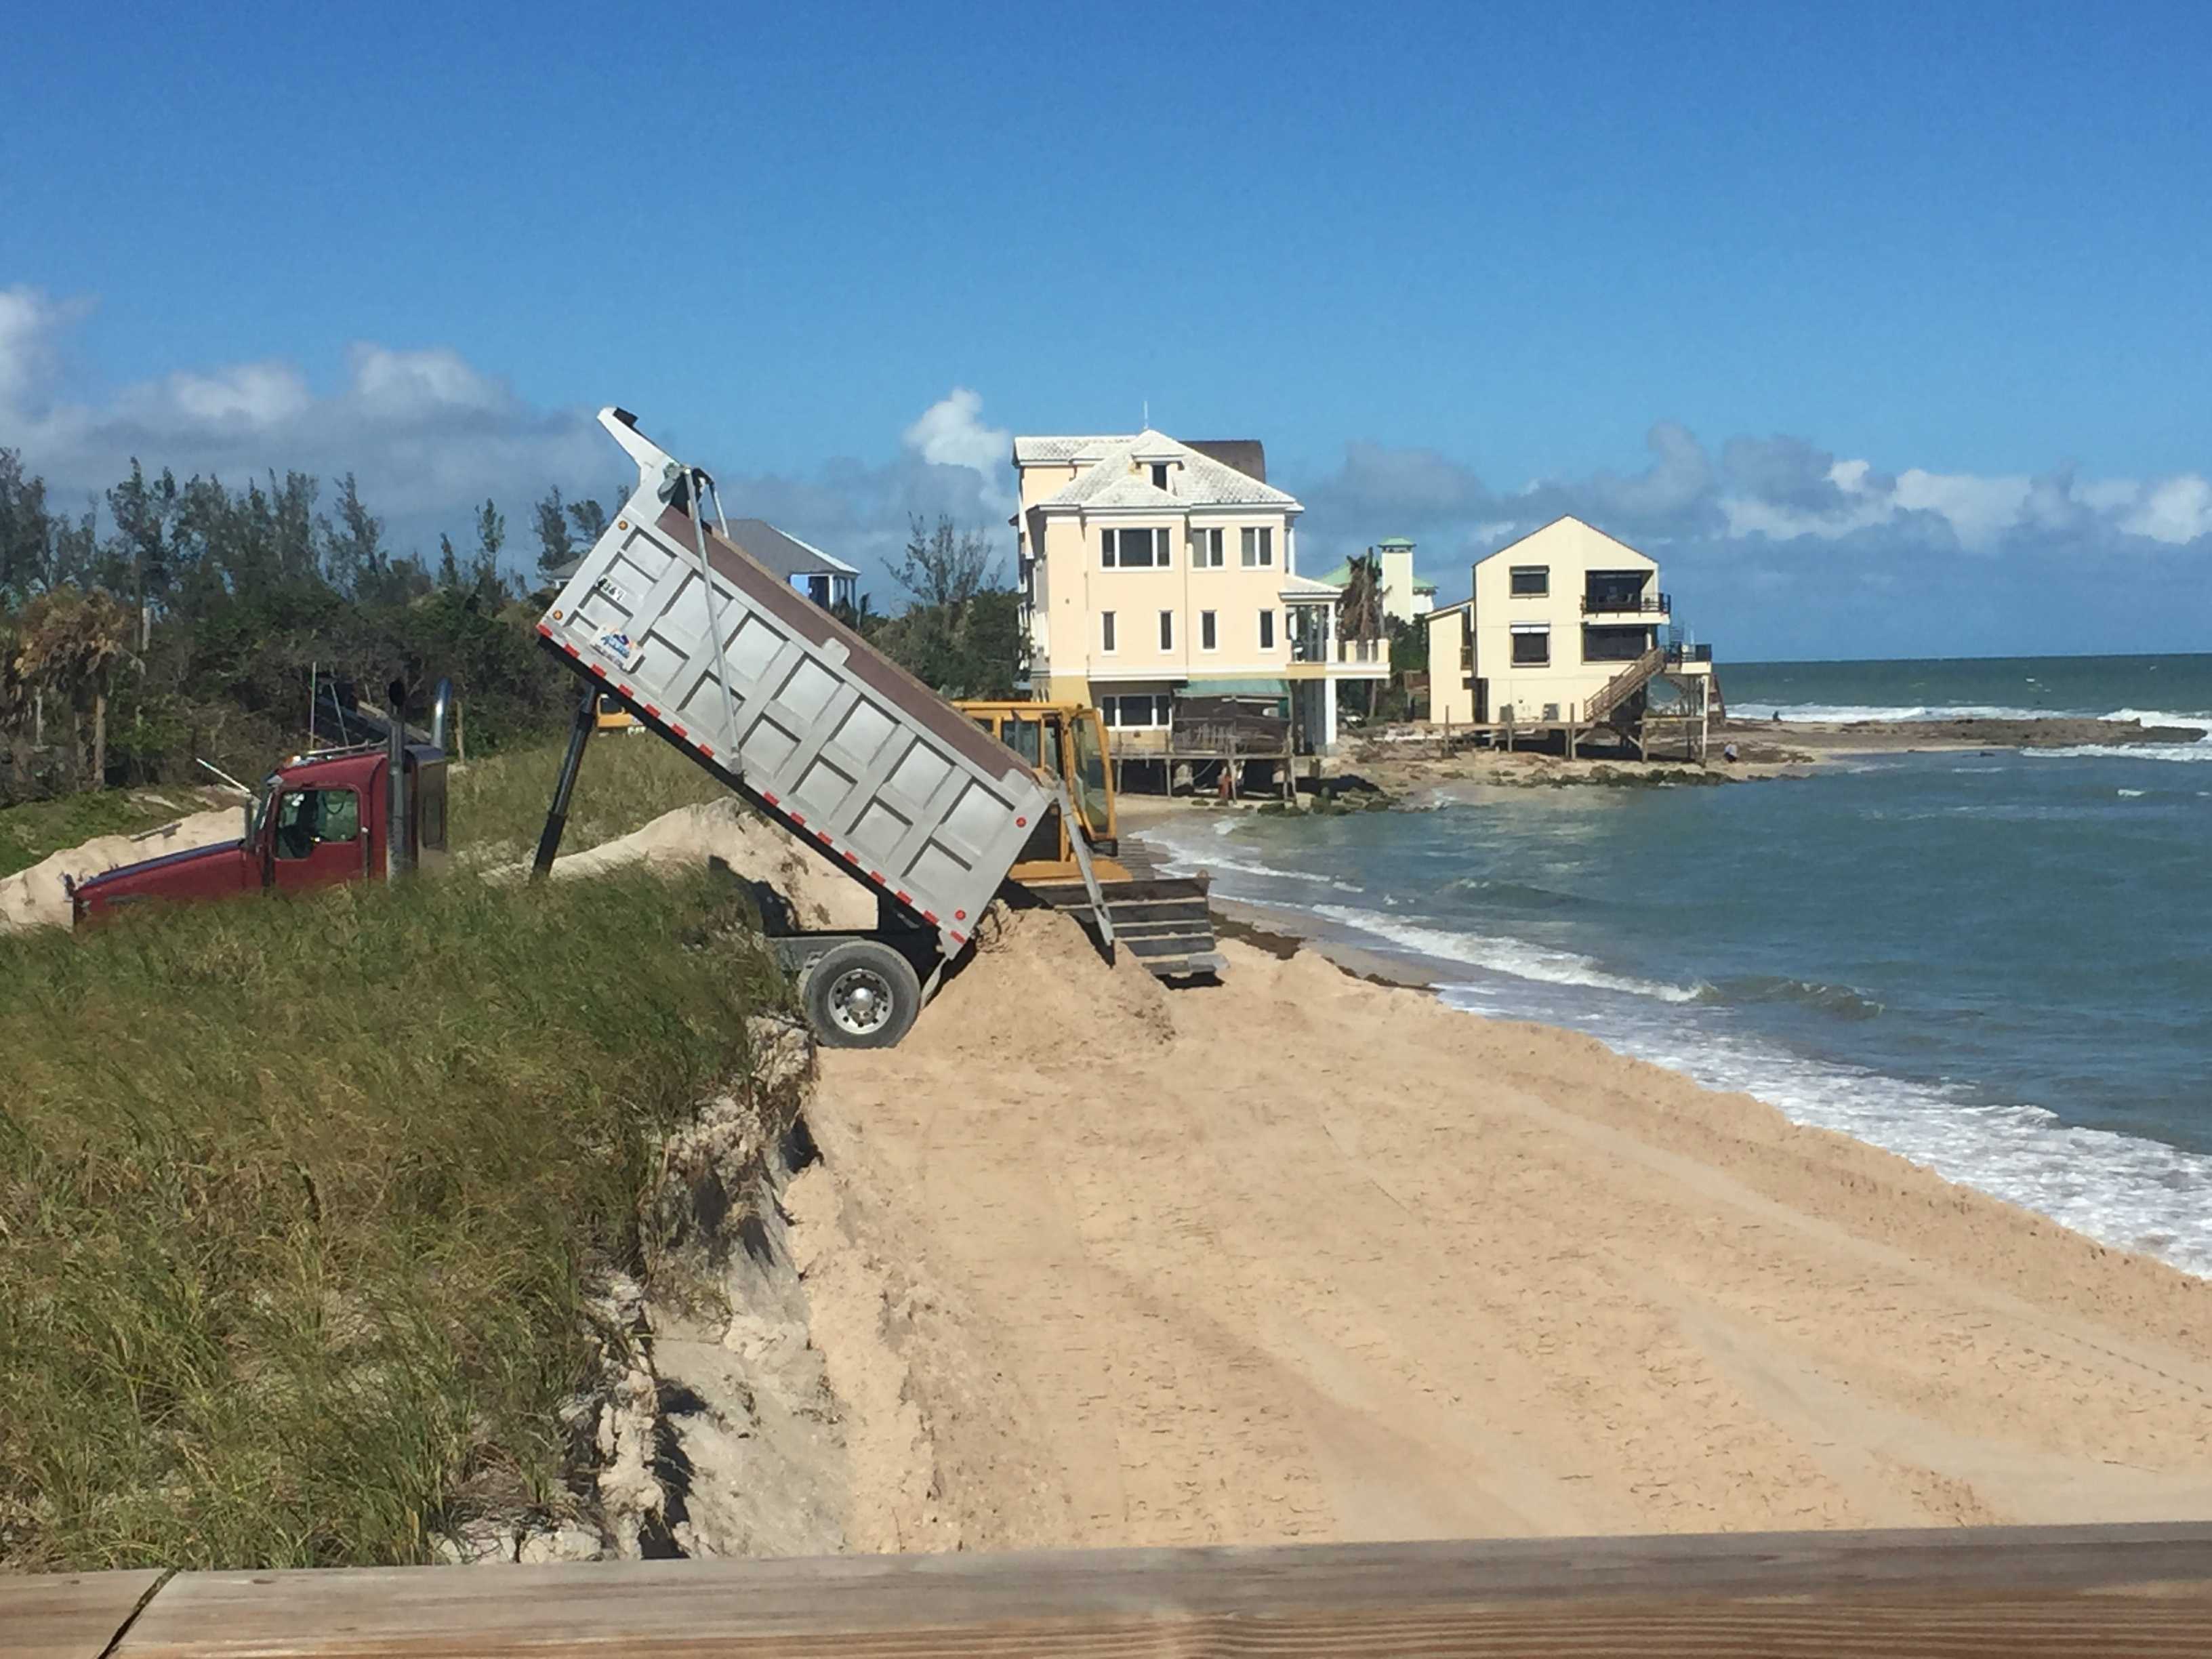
column 1630, row 604
column 1682, row 653
column 1623, row 686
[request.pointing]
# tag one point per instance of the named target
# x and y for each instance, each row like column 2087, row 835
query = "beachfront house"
column 1565, row 627
column 1154, row 571
column 821, row 577
column 828, row 580
column 1407, row 597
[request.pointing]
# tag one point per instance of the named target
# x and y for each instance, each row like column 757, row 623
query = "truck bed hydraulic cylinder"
column 557, row 819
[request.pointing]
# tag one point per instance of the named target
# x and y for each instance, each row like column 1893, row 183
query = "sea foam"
column 1503, row 954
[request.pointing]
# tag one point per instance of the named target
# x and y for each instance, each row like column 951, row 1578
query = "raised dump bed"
column 804, row 719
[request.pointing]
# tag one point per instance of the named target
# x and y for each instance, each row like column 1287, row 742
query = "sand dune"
column 1303, row 1257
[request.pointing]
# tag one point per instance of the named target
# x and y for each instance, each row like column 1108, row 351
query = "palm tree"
column 1359, row 614
column 17, row 702
column 72, row 642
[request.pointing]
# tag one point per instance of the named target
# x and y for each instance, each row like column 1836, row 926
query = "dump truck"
column 320, row 819
column 1166, row 922
column 799, row 715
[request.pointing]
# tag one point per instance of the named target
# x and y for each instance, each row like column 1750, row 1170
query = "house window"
column 1137, row 709
column 1106, row 631
column 1167, row 630
column 1267, row 630
column 1206, row 640
column 1532, row 646
column 1206, row 550
column 1259, row 547
column 1531, row 581
column 1134, row 550
column 1159, row 475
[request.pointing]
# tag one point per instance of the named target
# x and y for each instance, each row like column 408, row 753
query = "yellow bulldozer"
column 1163, row 920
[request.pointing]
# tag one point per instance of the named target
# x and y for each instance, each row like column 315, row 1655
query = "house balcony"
column 1357, row 659
column 1619, row 603
column 1689, row 659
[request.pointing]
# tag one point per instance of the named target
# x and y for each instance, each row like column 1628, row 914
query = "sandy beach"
column 1302, row 1256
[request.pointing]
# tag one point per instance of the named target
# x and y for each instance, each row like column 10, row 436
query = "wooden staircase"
column 1623, row 685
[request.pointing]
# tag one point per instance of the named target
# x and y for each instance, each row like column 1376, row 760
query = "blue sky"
column 1882, row 327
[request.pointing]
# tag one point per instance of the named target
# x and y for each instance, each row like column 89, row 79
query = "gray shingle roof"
column 1202, row 481
column 784, row 554
column 1048, row 452
column 1248, row 455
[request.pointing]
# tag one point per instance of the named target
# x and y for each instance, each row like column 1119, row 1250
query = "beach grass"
column 301, row 1199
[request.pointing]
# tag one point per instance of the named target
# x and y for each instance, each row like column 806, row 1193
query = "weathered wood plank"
column 69, row 1615
column 2007, row 1592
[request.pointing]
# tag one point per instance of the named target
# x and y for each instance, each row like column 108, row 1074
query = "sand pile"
column 752, row 847
column 34, row 898
column 1302, row 1257
column 1037, row 982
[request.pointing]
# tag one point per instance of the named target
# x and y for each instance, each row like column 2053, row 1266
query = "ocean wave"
column 1519, row 959
column 2121, row 1190
column 2201, row 750
column 2202, row 721
column 1181, row 859
column 1840, row 1000
column 1520, row 895
column 1848, row 712
column 1215, row 863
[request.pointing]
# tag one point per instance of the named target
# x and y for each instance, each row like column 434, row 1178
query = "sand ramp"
column 751, row 848
column 1300, row 1257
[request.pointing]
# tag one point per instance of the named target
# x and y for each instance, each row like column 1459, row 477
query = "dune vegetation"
column 301, row 1199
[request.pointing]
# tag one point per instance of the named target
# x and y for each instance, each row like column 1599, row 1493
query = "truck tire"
column 860, row 994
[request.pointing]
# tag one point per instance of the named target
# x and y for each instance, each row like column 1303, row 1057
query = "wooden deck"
column 2010, row 1593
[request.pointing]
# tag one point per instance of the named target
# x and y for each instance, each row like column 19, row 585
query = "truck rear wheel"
column 860, row 994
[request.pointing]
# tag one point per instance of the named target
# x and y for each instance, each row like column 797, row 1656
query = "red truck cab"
column 318, row 820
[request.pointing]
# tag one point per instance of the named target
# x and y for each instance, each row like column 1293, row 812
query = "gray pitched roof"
column 1248, row 455
column 784, row 553
column 1060, row 452
column 1110, row 481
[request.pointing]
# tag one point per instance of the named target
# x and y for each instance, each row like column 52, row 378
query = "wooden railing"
column 2008, row 1593
column 1617, row 690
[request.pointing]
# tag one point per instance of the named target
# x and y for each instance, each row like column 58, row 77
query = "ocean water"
column 1998, row 964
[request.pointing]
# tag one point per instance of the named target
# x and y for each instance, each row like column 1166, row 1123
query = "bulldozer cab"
column 1063, row 742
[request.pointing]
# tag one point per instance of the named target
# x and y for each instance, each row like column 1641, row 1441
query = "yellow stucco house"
column 1557, row 623
column 1152, row 569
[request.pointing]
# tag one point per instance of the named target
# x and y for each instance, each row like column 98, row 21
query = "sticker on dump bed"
column 615, row 646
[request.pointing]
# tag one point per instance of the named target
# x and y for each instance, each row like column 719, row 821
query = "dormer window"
column 1159, row 475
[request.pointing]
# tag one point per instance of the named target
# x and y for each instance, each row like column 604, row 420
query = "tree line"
column 187, row 626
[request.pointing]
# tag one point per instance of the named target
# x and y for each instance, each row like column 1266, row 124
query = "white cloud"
column 31, row 327
column 426, row 434
column 429, row 435
column 951, row 433
column 254, row 396
column 2172, row 510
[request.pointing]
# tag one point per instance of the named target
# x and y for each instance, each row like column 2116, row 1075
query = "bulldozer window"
column 1024, row 738
column 1092, row 799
